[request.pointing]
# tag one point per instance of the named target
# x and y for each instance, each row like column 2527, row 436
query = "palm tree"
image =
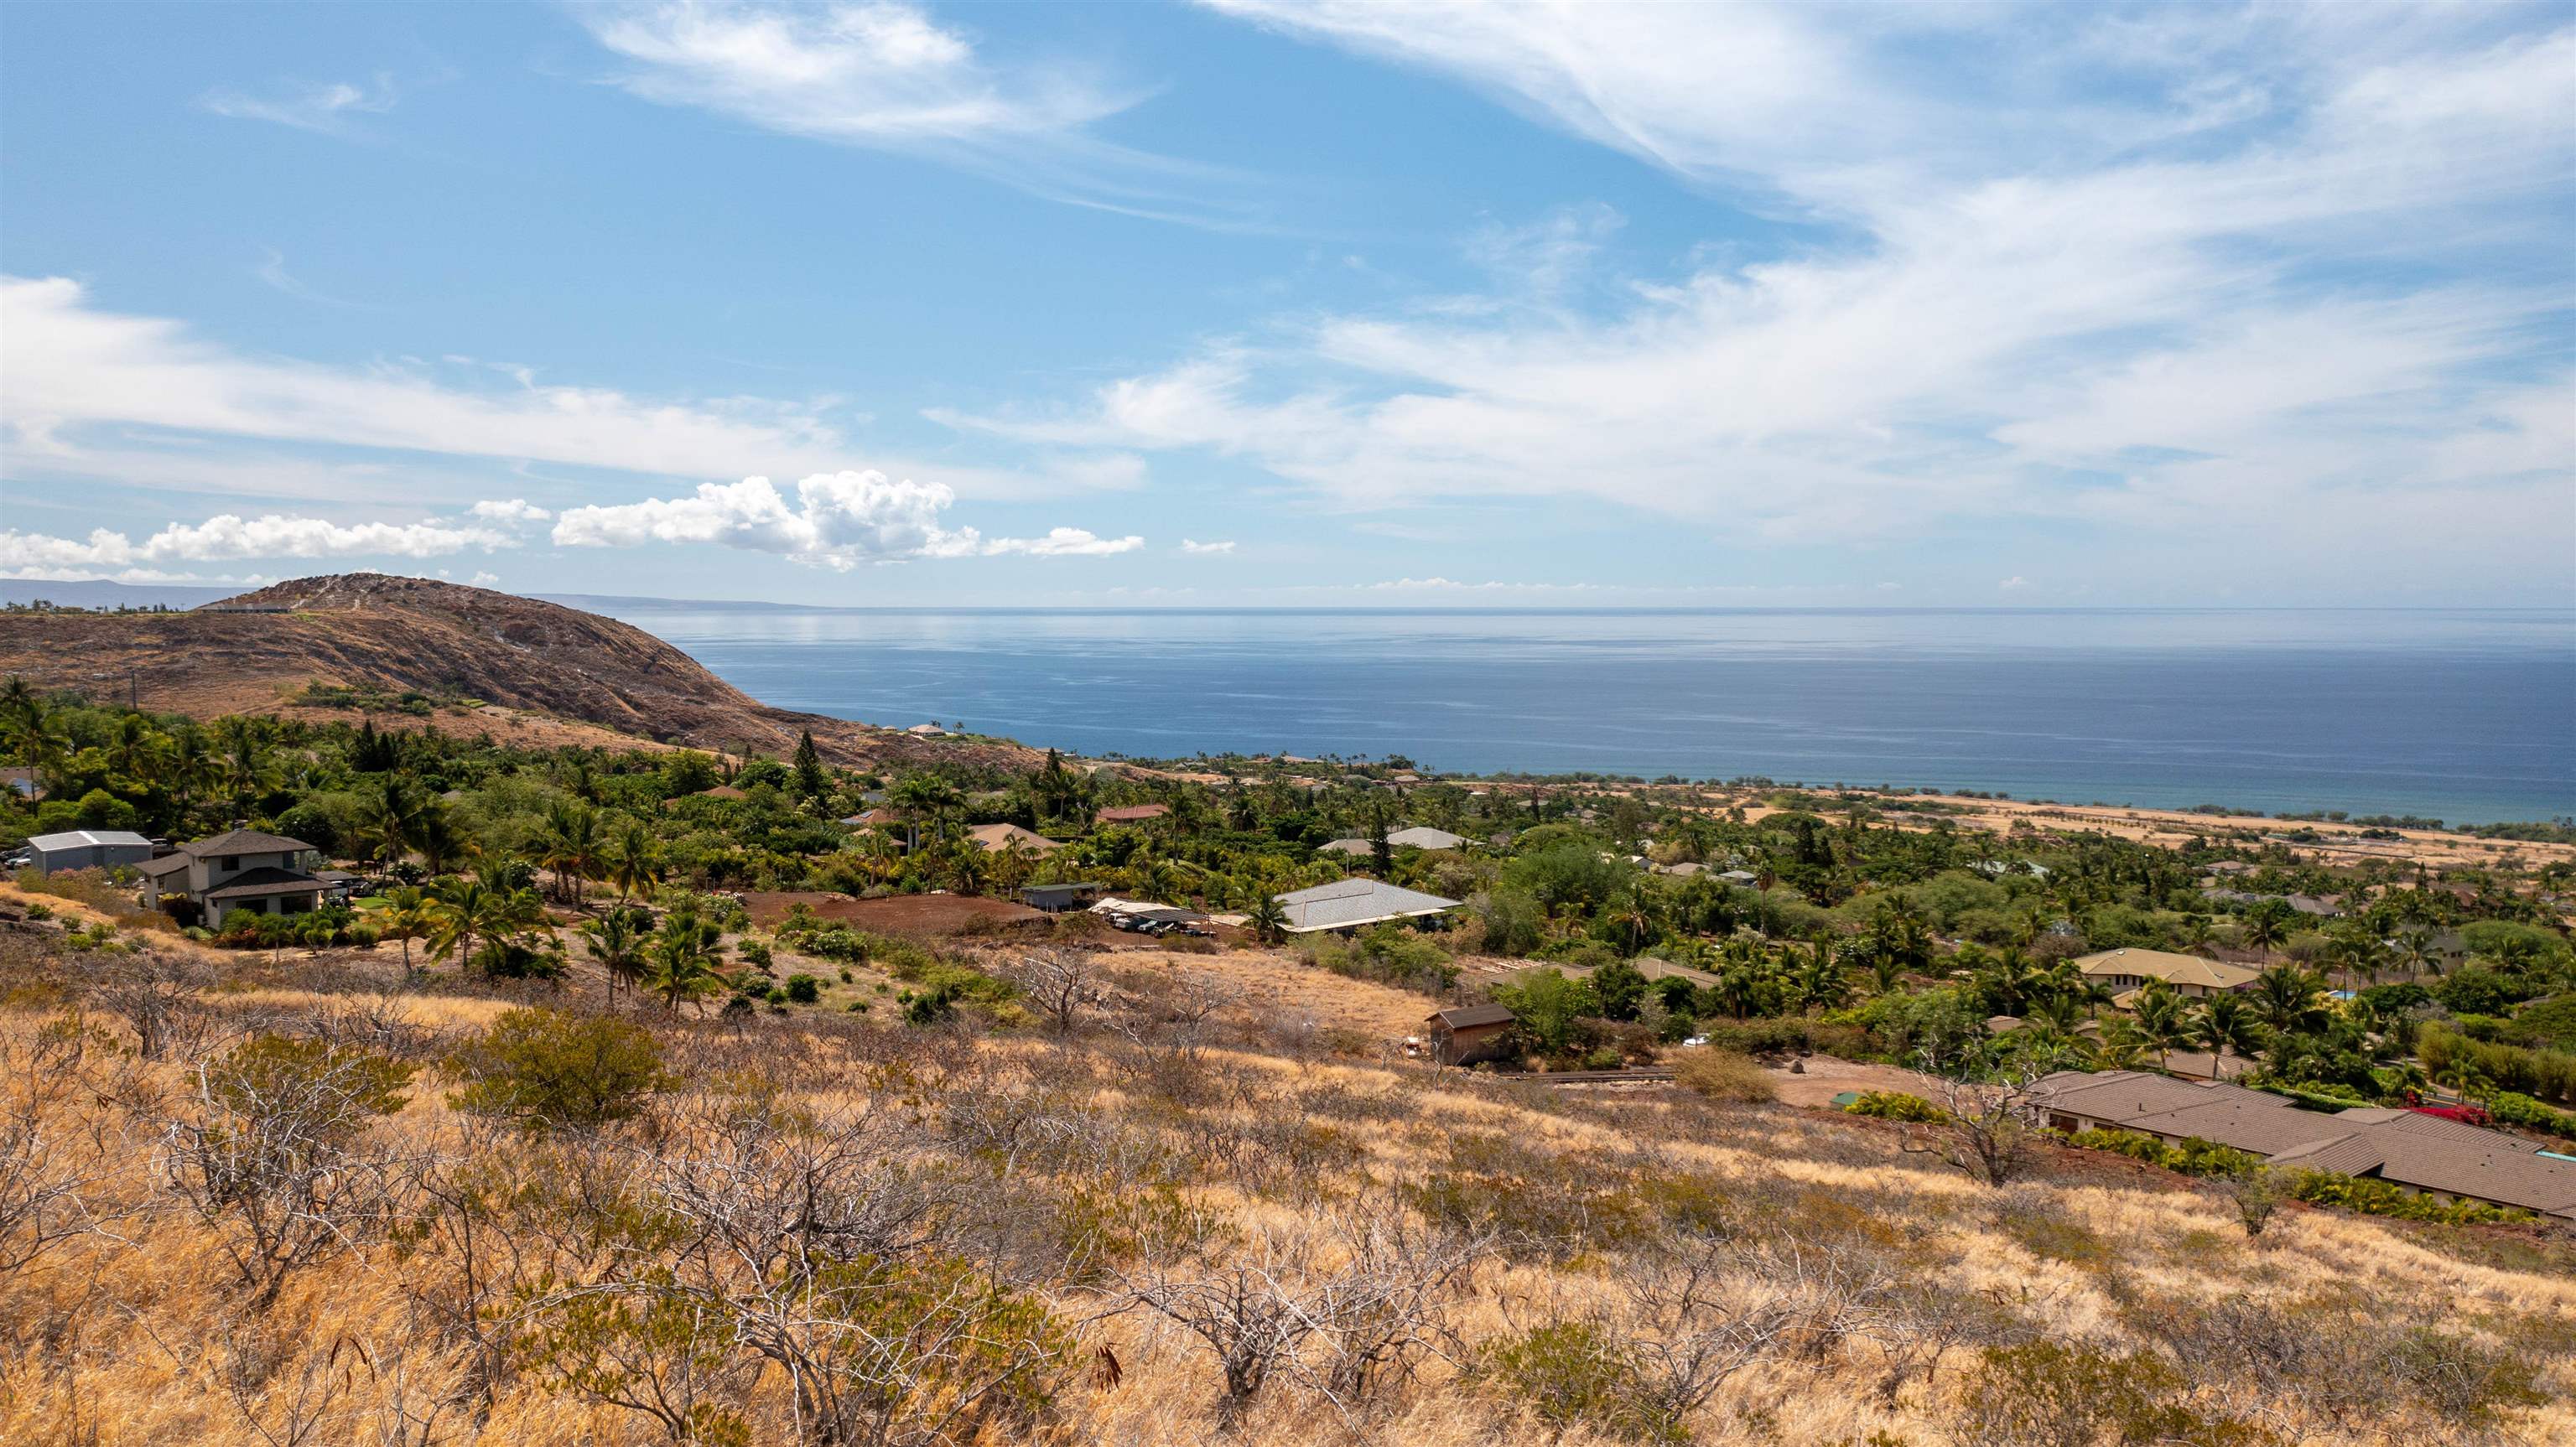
column 132, row 750
column 2163, row 1020
column 2223, row 1024
column 465, row 911
column 2196, row 937
column 392, row 815
column 2363, row 951
column 680, row 962
column 34, row 734
column 569, row 844
column 1012, row 865
column 245, row 762
column 966, row 868
column 2266, row 925
column 2284, row 998
column 617, row 940
column 1268, row 918
column 926, row 796
column 878, row 858
column 636, row 865
column 2415, row 952
column 1637, row 915
column 403, row 913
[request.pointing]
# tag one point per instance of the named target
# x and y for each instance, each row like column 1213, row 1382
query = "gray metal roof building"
column 1350, row 903
column 88, row 849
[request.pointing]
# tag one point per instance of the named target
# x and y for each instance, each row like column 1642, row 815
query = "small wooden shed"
column 1465, row 1034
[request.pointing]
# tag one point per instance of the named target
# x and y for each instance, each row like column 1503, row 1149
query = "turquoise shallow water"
column 2468, row 716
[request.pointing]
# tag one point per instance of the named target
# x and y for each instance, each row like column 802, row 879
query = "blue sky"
column 1244, row 303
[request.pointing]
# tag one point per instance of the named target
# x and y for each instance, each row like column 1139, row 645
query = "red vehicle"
column 2467, row 1112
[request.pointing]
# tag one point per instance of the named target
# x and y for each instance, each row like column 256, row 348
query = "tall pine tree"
column 811, row 781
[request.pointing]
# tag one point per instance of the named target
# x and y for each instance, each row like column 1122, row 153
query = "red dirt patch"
column 913, row 914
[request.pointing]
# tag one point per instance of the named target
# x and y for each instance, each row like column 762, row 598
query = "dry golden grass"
column 1884, row 1277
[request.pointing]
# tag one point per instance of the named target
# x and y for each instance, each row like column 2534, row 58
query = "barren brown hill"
column 534, row 672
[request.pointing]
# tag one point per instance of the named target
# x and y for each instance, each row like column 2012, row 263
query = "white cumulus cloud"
column 514, row 511
column 1189, row 545
column 231, row 536
column 835, row 520
column 1065, row 543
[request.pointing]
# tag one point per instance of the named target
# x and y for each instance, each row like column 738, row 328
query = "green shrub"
column 2513, row 1108
column 259, row 1074
column 754, row 953
column 549, row 1070
column 1897, row 1105
column 928, row 1007
column 2545, row 1074
column 1391, row 954
column 2379, row 1198
column 804, row 989
column 1577, row 1374
column 2194, row 1157
column 2545, row 1024
column 1536, row 1204
column 2054, row 1394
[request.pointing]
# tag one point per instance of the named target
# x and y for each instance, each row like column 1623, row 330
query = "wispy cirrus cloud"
column 2195, row 271
column 1199, row 549
column 883, row 75
column 73, row 365
column 94, row 393
column 330, row 108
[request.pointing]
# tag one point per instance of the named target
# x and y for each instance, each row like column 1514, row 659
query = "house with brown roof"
column 996, row 838
column 2128, row 969
column 2417, row 1153
column 1466, row 1034
column 1131, row 813
column 238, row 869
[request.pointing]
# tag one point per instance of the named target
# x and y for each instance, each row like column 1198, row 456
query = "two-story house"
column 241, row 869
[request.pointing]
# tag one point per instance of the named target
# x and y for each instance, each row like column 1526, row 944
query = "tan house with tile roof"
column 2128, row 969
column 995, row 838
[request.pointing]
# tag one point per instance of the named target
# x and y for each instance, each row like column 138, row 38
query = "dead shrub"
column 1724, row 1075
column 278, row 1156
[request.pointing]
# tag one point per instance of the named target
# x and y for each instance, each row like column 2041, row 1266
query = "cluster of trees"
column 1832, row 913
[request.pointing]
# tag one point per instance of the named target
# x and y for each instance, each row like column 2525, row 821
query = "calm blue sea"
column 2467, row 716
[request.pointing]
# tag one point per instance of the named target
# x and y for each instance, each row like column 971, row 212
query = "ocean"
column 2463, row 715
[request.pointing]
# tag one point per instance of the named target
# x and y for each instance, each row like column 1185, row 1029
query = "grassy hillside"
column 253, row 1202
column 408, row 650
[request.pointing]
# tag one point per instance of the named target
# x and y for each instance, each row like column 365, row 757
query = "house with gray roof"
column 238, row 869
column 1423, row 836
column 1349, row 904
